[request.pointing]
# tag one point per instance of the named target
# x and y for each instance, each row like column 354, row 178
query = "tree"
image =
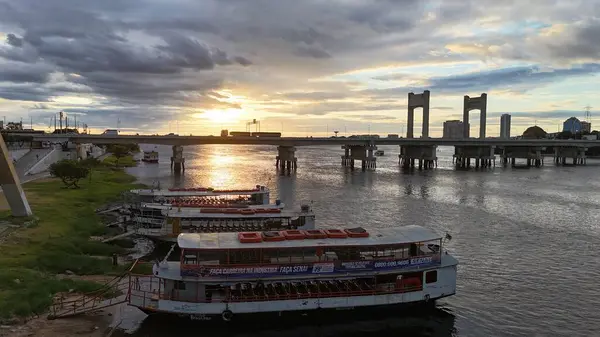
column 91, row 163
column 119, row 151
column 69, row 171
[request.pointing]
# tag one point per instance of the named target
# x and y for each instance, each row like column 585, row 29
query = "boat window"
column 290, row 255
column 212, row 257
column 431, row 276
column 179, row 285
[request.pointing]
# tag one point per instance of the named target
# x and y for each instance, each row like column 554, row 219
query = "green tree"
column 120, row 151
column 91, row 163
column 69, row 171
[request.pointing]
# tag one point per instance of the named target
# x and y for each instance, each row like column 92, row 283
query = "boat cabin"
column 298, row 252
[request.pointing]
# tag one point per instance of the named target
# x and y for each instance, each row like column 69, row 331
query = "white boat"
column 229, row 276
column 167, row 222
column 150, row 157
column 257, row 196
column 379, row 153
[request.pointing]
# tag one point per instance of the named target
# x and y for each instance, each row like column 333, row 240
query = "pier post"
column 177, row 159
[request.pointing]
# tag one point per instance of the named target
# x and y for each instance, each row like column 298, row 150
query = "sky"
column 307, row 67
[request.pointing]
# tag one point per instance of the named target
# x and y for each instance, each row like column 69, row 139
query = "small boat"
column 150, row 157
column 379, row 153
column 229, row 276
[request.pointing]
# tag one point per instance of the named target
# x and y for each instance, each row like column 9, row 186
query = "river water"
column 526, row 239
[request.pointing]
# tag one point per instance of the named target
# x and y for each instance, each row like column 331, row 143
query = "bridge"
column 421, row 152
column 297, row 141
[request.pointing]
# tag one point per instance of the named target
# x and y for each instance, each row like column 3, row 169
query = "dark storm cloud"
column 19, row 73
column 150, row 53
column 580, row 41
column 13, row 40
column 518, row 79
column 312, row 51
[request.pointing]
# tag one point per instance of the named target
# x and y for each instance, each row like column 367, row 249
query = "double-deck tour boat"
column 260, row 195
column 164, row 214
column 150, row 157
column 227, row 276
column 175, row 220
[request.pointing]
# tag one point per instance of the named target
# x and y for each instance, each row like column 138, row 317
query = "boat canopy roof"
column 191, row 193
column 386, row 236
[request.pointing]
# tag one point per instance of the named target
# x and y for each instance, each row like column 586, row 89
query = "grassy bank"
column 126, row 161
column 57, row 241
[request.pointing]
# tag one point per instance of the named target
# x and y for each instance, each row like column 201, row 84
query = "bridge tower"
column 475, row 103
column 11, row 185
column 425, row 155
column 418, row 101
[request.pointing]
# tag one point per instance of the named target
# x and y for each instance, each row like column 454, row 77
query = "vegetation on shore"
column 57, row 241
column 126, row 161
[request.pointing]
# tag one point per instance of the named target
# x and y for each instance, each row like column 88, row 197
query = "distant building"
column 572, row 125
column 586, row 127
column 453, row 129
column 111, row 132
column 392, row 135
column 505, row 126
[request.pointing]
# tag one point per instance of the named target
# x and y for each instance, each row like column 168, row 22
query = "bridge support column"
column 177, row 160
column 483, row 156
column 561, row 153
column 532, row 154
column 424, row 155
column 364, row 153
column 286, row 158
column 11, row 185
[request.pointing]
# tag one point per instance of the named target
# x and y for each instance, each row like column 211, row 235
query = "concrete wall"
column 52, row 157
column 18, row 154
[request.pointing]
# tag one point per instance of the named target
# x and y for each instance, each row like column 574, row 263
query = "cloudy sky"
column 304, row 67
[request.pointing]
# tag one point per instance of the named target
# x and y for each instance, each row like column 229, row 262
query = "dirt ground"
column 93, row 325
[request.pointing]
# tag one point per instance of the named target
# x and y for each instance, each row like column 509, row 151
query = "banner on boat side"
column 337, row 267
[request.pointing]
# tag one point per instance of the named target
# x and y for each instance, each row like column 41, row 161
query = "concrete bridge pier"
column 532, row 154
column 364, row 153
column 577, row 154
column 483, row 156
column 424, row 155
column 286, row 159
column 11, row 185
column 177, row 160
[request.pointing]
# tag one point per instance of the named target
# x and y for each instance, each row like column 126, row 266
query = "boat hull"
column 324, row 314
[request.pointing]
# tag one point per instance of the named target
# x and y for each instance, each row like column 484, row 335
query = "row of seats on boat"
column 243, row 291
column 212, row 228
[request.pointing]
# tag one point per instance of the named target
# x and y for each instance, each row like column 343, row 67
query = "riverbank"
column 56, row 241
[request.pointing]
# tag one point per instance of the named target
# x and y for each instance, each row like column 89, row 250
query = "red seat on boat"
column 357, row 232
column 294, row 234
column 336, row 234
column 315, row 234
column 249, row 237
column 272, row 236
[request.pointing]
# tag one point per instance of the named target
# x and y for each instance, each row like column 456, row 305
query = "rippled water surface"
column 527, row 239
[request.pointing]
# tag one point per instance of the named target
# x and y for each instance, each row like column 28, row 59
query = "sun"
column 221, row 116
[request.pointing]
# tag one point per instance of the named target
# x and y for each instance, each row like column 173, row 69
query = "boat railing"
column 146, row 290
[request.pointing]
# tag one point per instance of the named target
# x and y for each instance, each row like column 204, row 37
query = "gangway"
column 118, row 287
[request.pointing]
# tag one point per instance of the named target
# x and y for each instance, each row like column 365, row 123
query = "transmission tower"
column 588, row 113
